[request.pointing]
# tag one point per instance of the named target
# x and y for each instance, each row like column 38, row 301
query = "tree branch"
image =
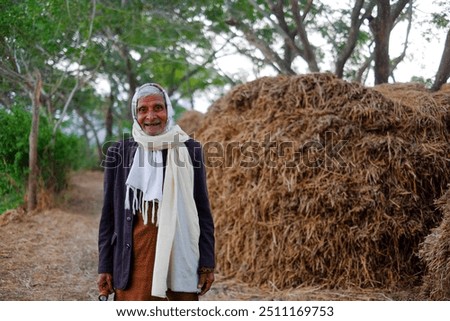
column 307, row 9
column 301, row 31
column 397, row 8
column 443, row 73
column 78, row 82
column 363, row 68
column 397, row 60
column 16, row 77
column 249, row 53
column 66, row 106
column 352, row 39
column 282, row 28
column 195, row 70
column 262, row 46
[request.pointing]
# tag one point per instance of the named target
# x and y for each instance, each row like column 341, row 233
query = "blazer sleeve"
column 207, row 241
column 106, row 226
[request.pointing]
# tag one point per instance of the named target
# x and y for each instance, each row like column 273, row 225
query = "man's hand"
column 205, row 281
column 105, row 284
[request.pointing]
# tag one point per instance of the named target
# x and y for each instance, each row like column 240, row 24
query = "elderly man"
column 156, row 234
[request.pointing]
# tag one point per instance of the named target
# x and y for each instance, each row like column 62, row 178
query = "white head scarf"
column 153, row 89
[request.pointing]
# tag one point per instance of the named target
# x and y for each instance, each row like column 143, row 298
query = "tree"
column 442, row 21
column 381, row 27
column 33, row 141
column 31, row 51
column 158, row 41
column 443, row 72
column 126, row 43
column 304, row 35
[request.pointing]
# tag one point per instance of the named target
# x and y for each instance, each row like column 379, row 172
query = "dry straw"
column 316, row 181
column 190, row 121
column 435, row 251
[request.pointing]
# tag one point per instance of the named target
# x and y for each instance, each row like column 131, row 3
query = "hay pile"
column 317, row 181
column 190, row 121
column 435, row 251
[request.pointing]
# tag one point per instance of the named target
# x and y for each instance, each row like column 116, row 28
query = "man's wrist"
column 205, row 270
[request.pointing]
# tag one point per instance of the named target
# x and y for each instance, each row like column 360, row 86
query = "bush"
column 13, row 157
column 55, row 157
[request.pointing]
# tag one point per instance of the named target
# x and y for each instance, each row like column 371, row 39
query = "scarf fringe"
column 153, row 213
column 139, row 204
column 127, row 198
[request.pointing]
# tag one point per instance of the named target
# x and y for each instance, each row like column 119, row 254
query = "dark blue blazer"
column 115, row 241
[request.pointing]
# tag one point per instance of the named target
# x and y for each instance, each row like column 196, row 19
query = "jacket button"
column 128, row 218
column 128, row 245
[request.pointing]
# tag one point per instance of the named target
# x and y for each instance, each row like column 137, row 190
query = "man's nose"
column 150, row 114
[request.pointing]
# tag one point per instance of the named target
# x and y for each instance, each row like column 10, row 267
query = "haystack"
column 435, row 251
column 190, row 121
column 317, row 181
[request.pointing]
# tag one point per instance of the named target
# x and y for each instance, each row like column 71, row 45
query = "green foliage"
column 419, row 79
column 441, row 19
column 56, row 158
column 135, row 42
column 13, row 157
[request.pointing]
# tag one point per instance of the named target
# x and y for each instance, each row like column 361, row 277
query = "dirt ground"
column 51, row 255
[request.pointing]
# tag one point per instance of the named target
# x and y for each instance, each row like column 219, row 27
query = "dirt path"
column 52, row 255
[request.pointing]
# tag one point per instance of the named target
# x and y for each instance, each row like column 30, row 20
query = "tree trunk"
column 109, row 122
column 355, row 26
column 443, row 72
column 109, row 118
column 33, row 148
column 89, row 124
column 381, row 28
column 310, row 56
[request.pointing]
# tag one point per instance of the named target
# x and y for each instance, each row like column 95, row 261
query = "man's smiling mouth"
column 152, row 124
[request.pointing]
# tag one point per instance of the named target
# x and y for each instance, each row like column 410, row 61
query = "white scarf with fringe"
column 177, row 252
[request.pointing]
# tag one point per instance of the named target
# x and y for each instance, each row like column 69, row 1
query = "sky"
column 423, row 57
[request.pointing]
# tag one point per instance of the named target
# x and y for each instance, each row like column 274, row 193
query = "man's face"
column 152, row 114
